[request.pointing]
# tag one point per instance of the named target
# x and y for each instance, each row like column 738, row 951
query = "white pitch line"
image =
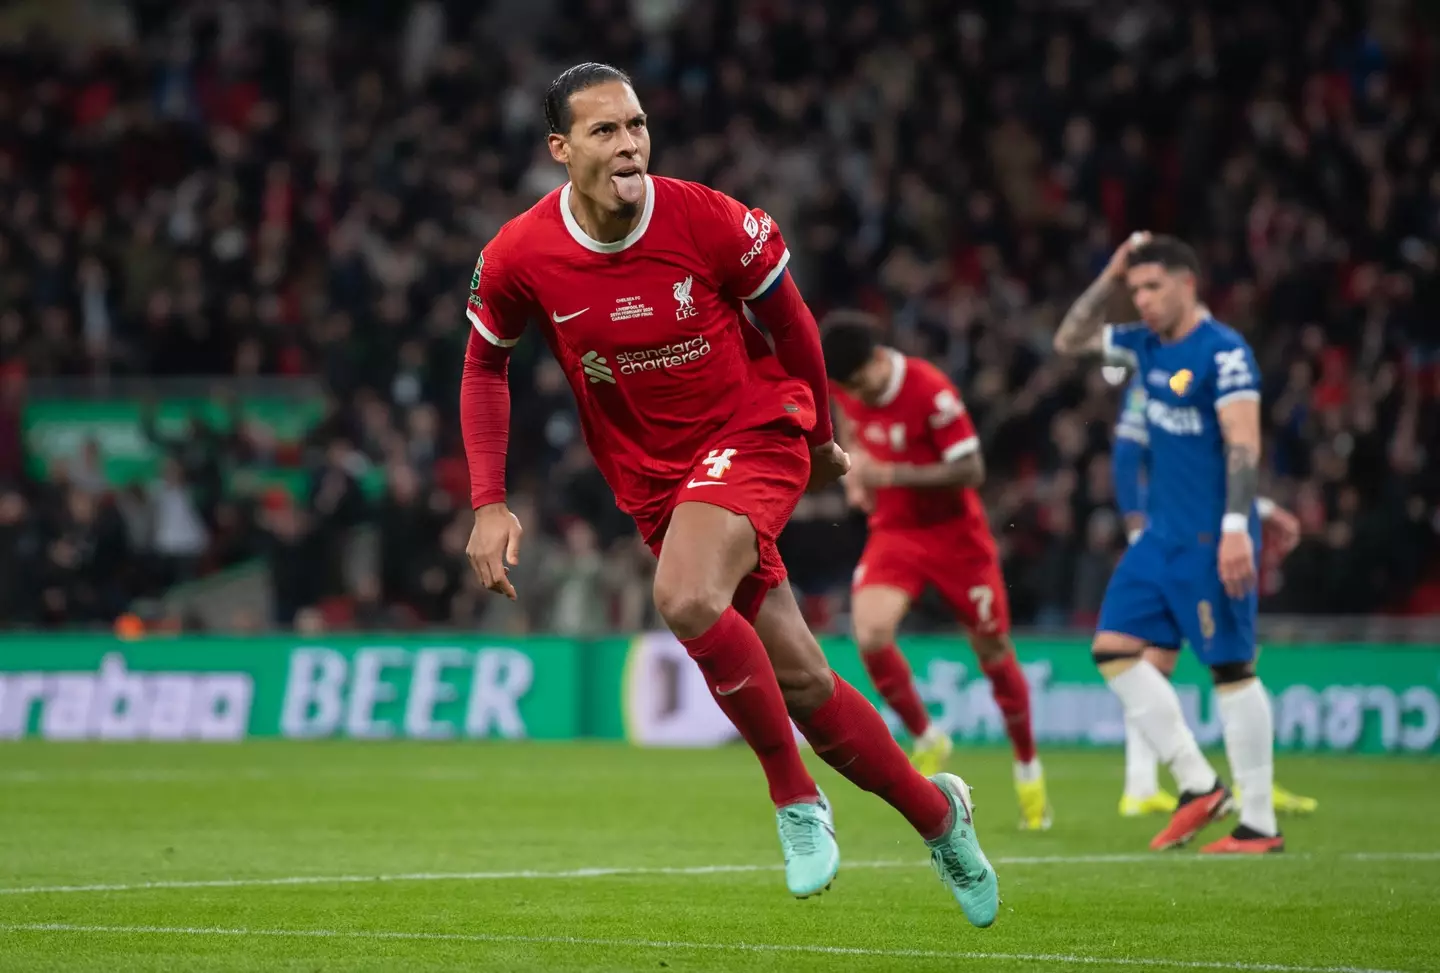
column 625, row 871
column 576, row 873
column 818, row 950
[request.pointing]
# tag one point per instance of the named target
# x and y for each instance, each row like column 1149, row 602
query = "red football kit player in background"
column 708, row 438
column 917, row 463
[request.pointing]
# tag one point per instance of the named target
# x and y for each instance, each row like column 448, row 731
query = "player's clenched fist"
column 1237, row 563
column 494, row 543
column 828, row 462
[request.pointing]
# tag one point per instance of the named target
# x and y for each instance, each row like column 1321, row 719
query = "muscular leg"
column 707, row 551
column 845, row 730
column 1012, row 694
column 1150, row 701
column 876, row 611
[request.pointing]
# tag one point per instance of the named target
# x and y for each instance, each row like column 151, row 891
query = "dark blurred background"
column 235, row 240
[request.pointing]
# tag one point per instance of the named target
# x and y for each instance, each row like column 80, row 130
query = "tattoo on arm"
column 1080, row 328
column 1242, row 478
column 1240, row 425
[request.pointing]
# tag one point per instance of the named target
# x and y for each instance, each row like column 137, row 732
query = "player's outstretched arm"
column 496, row 311
column 1127, row 462
column 1240, row 426
column 797, row 346
column 485, row 427
column 1130, row 461
column 1081, row 329
column 966, row 471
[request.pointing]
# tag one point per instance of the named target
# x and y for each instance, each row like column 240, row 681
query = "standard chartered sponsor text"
column 666, row 356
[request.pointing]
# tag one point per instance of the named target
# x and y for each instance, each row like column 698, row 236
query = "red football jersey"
column 920, row 420
column 650, row 330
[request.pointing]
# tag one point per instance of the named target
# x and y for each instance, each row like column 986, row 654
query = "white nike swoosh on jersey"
column 559, row 318
column 695, row 483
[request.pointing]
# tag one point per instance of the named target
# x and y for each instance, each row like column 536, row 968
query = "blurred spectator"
column 180, row 537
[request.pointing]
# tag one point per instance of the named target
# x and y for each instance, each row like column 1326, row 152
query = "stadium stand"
column 234, row 242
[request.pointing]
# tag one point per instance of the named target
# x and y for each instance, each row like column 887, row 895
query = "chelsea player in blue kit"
column 1130, row 460
column 1192, row 574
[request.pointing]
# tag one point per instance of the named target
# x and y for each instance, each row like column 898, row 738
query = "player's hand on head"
column 1115, row 270
column 494, row 544
column 1237, row 563
column 1134, row 526
column 828, row 462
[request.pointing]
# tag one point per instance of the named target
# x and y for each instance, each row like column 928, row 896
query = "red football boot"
column 1195, row 811
column 1245, row 840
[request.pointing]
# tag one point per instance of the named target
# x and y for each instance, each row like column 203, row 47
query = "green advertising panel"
column 58, row 429
column 1370, row 698
column 1358, row 698
column 445, row 687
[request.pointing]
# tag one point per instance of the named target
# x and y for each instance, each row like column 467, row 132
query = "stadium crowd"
column 280, row 189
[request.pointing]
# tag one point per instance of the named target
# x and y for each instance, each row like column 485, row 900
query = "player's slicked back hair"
column 1167, row 251
column 849, row 339
column 571, row 81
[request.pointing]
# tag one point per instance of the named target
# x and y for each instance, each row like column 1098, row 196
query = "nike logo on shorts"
column 695, row 483
column 559, row 318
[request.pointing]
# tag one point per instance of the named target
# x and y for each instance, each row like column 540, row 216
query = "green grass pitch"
column 311, row 857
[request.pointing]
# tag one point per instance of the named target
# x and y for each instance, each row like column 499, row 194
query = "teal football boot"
column 958, row 860
column 807, row 837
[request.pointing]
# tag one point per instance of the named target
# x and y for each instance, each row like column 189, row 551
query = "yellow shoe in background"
column 1287, row 802
column 932, row 749
column 1138, row 807
column 1035, row 813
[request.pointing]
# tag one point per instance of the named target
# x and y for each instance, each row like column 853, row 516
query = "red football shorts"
column 758, row 473
column 967, row 575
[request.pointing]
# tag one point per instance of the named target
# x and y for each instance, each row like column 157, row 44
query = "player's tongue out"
column 629, row 185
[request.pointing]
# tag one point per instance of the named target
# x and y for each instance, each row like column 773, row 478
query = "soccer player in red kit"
column 708, row 439
column 916, row 464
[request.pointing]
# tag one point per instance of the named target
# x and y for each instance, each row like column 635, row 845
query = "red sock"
column 742, row 680
column 896, row 684
column 849, row 735
column 1012, row 693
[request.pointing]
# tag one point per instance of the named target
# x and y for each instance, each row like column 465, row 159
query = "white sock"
column 1250, row 747
column 1028, row 772
column 1142, row 766
column 1150, row 701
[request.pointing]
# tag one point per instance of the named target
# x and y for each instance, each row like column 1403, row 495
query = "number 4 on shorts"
column 718, row 462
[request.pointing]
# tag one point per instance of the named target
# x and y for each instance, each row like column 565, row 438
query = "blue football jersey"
column 1182, row 384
